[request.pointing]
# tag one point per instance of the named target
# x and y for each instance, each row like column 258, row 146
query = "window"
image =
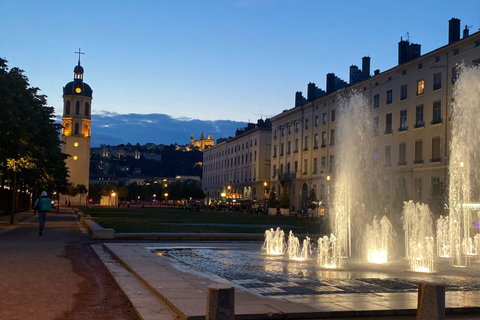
column 386, row 189
column 375, row 157
column 436, row 150
column 315, row 165
column 283, row 132
column 306, row 124
column 388, row 123
column 332, row 137
column 418, row 152
column 437, row 112
column 322, row 164
column 316, row 121
column 77, row 107
column 76, row 128
column 296, row 145
column 281, row 149
column 436, row 185
column 376, row 101
column 315, row 141
column 437, row 81
column 289, row 147
column 418, row 189
column 376, row 121
column 420, row 86
column 255, row 156
column 324, row 118
column 305, row 163
column 324, row 139
column 402, row 149
column 403, row 120
column 297, row 126
column 389, row 97
column 332, row 163
column 275, row 134
column 403, row 92
column 289, row 129
column 419, row 117
column 306, row 144
column 87, row 109
column 67, row 108
column 274, row 171
column 275, row 151
column 296, row 166
column 388, row 156
column 333, row 116
column 476, row 62
column 288, row 167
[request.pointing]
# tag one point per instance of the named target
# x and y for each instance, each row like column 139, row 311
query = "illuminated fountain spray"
column 353, row 169
column 464, row 146
column 443, row 238
column 274, row 242
column 297, row 252
column 419, row 245
column 328, row 255
column 378, row 240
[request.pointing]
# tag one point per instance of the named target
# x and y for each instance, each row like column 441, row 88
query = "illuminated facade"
column 203, row 143
column 410, row 110
column 76, row 134
column 237, row 168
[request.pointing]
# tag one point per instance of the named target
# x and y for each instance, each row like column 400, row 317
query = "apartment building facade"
column 411, row 114
column 237, row 168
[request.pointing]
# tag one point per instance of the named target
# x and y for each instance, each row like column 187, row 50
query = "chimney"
column 453, row 30
column 403, row 53
column 366, row 67
column 415, row 51
column 466, row 32
column 311, row 91
column 330, row 82
column 354, row 74
column 298, row 98
column 376, row 72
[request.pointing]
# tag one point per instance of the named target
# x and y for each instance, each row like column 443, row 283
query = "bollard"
column 431, row 301
column 220, row 302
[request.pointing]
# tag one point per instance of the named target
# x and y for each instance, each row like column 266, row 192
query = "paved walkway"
column 54, row 276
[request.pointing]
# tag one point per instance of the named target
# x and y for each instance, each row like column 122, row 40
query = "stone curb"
column 96, row 231
column 199, row 236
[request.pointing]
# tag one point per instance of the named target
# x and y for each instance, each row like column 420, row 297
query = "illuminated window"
column 420, row 86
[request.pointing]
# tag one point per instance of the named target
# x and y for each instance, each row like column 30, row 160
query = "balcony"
column 286, row 176
column 417, row 161
column 433, row 160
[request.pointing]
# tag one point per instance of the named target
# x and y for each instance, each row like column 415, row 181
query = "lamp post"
column 265, row 194
column 166, row 198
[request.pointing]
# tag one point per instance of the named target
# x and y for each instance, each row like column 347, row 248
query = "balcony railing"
column 286, row 176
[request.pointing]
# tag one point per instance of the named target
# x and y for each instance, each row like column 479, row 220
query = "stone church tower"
column 77, row 103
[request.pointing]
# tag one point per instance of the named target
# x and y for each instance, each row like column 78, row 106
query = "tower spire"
column 79, row 53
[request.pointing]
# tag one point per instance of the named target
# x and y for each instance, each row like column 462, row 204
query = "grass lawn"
column 173, row 220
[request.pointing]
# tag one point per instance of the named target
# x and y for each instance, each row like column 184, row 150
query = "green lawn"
column 176, row 220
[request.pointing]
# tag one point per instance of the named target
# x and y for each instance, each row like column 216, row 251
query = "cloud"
column 114, row 128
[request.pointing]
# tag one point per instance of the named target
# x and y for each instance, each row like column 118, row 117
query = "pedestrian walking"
column 42, row 205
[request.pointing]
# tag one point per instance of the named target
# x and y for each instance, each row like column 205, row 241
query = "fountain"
column 443, row 246
column 328, row 255
column 378, row 240
column 419, row 245
column 464, row 175
column 297, row 252
column 354, row 169
column 274, row 242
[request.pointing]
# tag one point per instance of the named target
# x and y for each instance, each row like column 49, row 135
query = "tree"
column 272, row 199
column 401, row 195
column 82, row 190
column 438, row 198
column 312, row 199
column 284, row 201
column 30, row 154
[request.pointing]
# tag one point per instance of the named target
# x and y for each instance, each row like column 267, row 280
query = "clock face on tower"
column 78, row 90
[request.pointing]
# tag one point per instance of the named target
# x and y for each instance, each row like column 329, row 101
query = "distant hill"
column 114, row 129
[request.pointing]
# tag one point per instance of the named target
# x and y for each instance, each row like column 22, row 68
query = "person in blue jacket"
column 42, row 205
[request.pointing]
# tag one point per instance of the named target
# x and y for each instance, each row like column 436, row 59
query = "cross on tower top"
column 79, row 53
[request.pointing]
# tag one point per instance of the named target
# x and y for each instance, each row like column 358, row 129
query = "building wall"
column 238, row 168
column 299, row 123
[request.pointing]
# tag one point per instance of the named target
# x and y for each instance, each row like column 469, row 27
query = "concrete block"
column 431, row 301
column 220, row 302
column 97, row 231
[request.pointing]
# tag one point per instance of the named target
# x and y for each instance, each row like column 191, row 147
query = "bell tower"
column 77, row 101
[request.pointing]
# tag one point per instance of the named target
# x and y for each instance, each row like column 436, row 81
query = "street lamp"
column 265, row 193
column 166, row 197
